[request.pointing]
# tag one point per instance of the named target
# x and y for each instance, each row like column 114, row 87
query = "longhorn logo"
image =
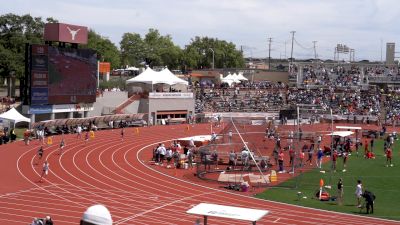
column 73, row 32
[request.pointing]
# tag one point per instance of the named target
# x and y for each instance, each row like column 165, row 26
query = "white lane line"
column 159, row 207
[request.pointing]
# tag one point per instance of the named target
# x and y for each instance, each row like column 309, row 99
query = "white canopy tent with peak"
column 230, row 79
column 14, row 116
column 241, row 77
column 152, row 77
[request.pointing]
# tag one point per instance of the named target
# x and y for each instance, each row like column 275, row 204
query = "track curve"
column 113, row 172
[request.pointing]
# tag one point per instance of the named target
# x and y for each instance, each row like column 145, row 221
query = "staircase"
column 119, row 109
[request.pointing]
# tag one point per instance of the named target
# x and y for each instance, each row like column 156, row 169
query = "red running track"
column 112, row 172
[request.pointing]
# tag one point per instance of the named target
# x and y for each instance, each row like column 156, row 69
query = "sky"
column 363, row 25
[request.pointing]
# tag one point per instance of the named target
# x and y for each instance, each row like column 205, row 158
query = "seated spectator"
column 369, row 155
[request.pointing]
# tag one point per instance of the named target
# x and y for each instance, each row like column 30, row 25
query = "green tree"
column 154, row 49
column 15, row 31
column 132, row 49
column 199, row 54
column 107, row 50
column 161, row 50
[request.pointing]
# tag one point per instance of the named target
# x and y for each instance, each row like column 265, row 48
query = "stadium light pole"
column 213, row 59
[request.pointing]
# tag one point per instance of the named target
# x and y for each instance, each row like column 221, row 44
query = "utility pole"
column 291, row 54
column 315, row 50
column 269, row 53
column 381, row 50
column 285, row 49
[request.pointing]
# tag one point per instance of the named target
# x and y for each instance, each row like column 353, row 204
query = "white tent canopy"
column 150, row 76
column 241, row 77
column 166, row 73
column 14, row 116
column 230, row 79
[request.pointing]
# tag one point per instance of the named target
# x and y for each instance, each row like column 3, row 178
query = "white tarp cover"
column 14, row 116
column 230, row 212
column 349, row 128
column 150, row 76
column 341, row 133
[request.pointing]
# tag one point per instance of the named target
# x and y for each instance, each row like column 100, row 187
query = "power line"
column 307, row 48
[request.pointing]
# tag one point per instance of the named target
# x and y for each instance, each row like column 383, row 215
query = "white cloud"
column 360, row 24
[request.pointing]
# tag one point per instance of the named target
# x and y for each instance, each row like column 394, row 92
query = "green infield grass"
column 383, row 181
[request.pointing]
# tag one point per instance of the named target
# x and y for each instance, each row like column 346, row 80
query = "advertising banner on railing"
column 170, row 95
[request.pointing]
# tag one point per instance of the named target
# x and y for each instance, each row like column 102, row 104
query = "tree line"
column 152, row 49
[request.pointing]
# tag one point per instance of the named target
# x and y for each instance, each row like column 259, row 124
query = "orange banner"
column 104, row 67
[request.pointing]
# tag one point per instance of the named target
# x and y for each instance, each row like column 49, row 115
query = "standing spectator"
column 372, row 144
column 278, row 141
column 27, row 135
column 232, row 159
column 345, row 156
column 334, row 160
column 389, row 157
column 245, row 157
column 291, row 156
column 320, row 154
column 168, row 155
column 340, row 192
column 213, row 137
column 319, row 139
column 214, row 158
column 302, row 155
column 162, row 151
column 365, row 147
column 79, row 132
column 280, row 161
column 275, row 154
column 191, row 143
column 358, row 143
column 230, row 136
column 190, row 158
column 310, row 154
column 86, row 137
column 359, row 193
column 156, row 154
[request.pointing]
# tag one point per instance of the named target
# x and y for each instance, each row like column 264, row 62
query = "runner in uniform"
column 45, row 170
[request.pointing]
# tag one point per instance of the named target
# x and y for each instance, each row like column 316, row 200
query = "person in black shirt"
column 340, row 192
column 369, row 200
